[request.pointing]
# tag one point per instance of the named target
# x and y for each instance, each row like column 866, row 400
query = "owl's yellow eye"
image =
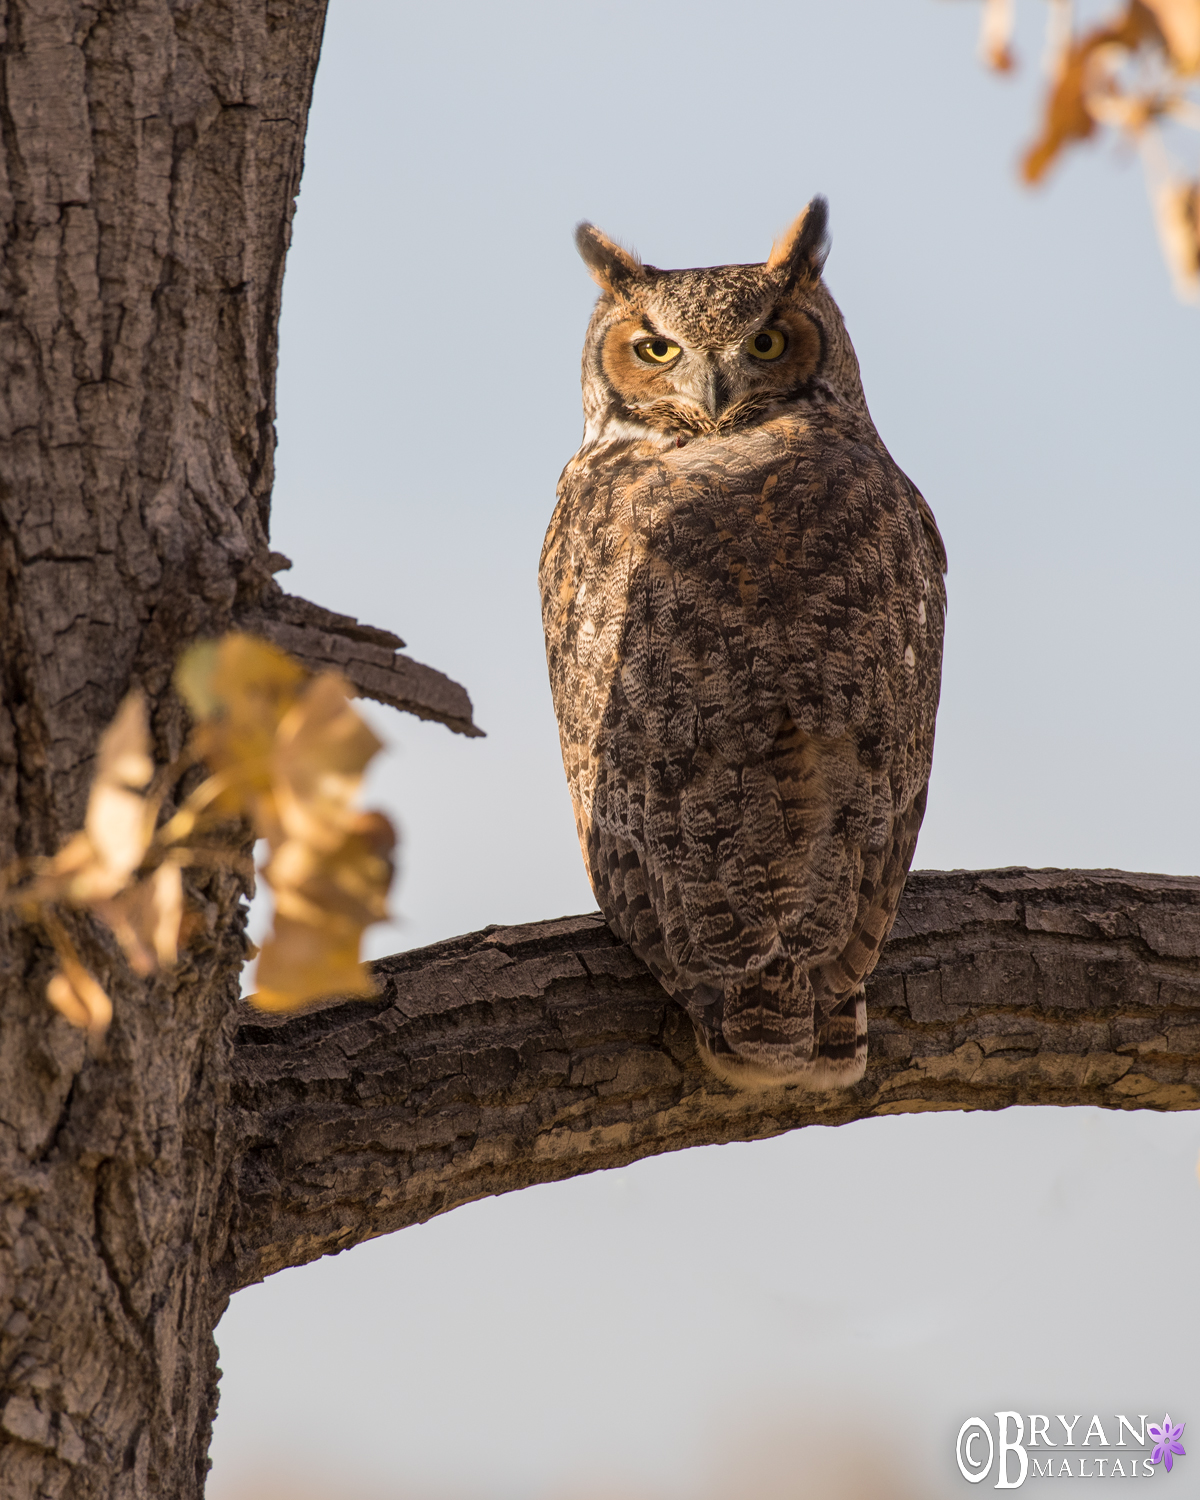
column 767, row 343
column 656, row 351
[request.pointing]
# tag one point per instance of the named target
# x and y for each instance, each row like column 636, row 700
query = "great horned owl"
column 743, row 603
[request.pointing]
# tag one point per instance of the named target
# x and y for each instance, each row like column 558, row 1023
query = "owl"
column 743, row 602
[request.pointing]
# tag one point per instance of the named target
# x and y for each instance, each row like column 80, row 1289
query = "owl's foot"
column 757, row 1048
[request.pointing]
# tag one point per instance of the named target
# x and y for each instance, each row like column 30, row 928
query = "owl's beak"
column 716, row 394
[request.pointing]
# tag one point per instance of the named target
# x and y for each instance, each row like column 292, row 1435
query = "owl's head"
column 704, row 351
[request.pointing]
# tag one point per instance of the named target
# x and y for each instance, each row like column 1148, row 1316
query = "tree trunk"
column 150, row 151
column 151, row 154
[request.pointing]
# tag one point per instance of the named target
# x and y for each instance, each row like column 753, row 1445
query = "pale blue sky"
column 1028, row 366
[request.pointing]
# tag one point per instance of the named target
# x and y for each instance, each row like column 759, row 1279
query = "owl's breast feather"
column 790, row 565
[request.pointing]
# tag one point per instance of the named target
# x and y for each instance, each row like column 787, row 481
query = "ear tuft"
column 610, row 264
column 799, row 255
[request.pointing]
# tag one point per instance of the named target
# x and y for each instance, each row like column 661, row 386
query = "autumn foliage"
column 1135, row 73
column 285, row 753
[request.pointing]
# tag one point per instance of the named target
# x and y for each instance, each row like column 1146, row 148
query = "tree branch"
column 368, row 657
column 528, row 1054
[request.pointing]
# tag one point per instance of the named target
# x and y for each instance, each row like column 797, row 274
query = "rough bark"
column 369, row 657
column 527, row 1054
column 150, row 152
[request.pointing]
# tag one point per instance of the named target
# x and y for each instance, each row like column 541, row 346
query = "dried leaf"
column 1058, row 34
column 238, row 689
column 77, row 996
column 1179, row 22
column 321, row 752
column 324, row 900
column 290, row 751
column 1177, row 213
column 284, row 749
column 350, row 884
column 168, row 913
column 1067, row 117
column 119, row 821
column 99, row 860
column 1130, row 74
column 995, row 35
column 146, row 917
column 300, row 963
column 1083, row 81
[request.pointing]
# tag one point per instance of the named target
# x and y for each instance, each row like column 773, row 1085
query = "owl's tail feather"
column 762, row 1037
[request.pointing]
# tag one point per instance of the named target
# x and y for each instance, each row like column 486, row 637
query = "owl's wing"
column 745, row 650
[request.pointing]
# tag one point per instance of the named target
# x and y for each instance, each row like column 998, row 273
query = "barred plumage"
column 743, row 604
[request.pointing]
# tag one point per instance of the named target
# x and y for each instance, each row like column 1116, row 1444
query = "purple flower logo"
column 1166, row 1442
